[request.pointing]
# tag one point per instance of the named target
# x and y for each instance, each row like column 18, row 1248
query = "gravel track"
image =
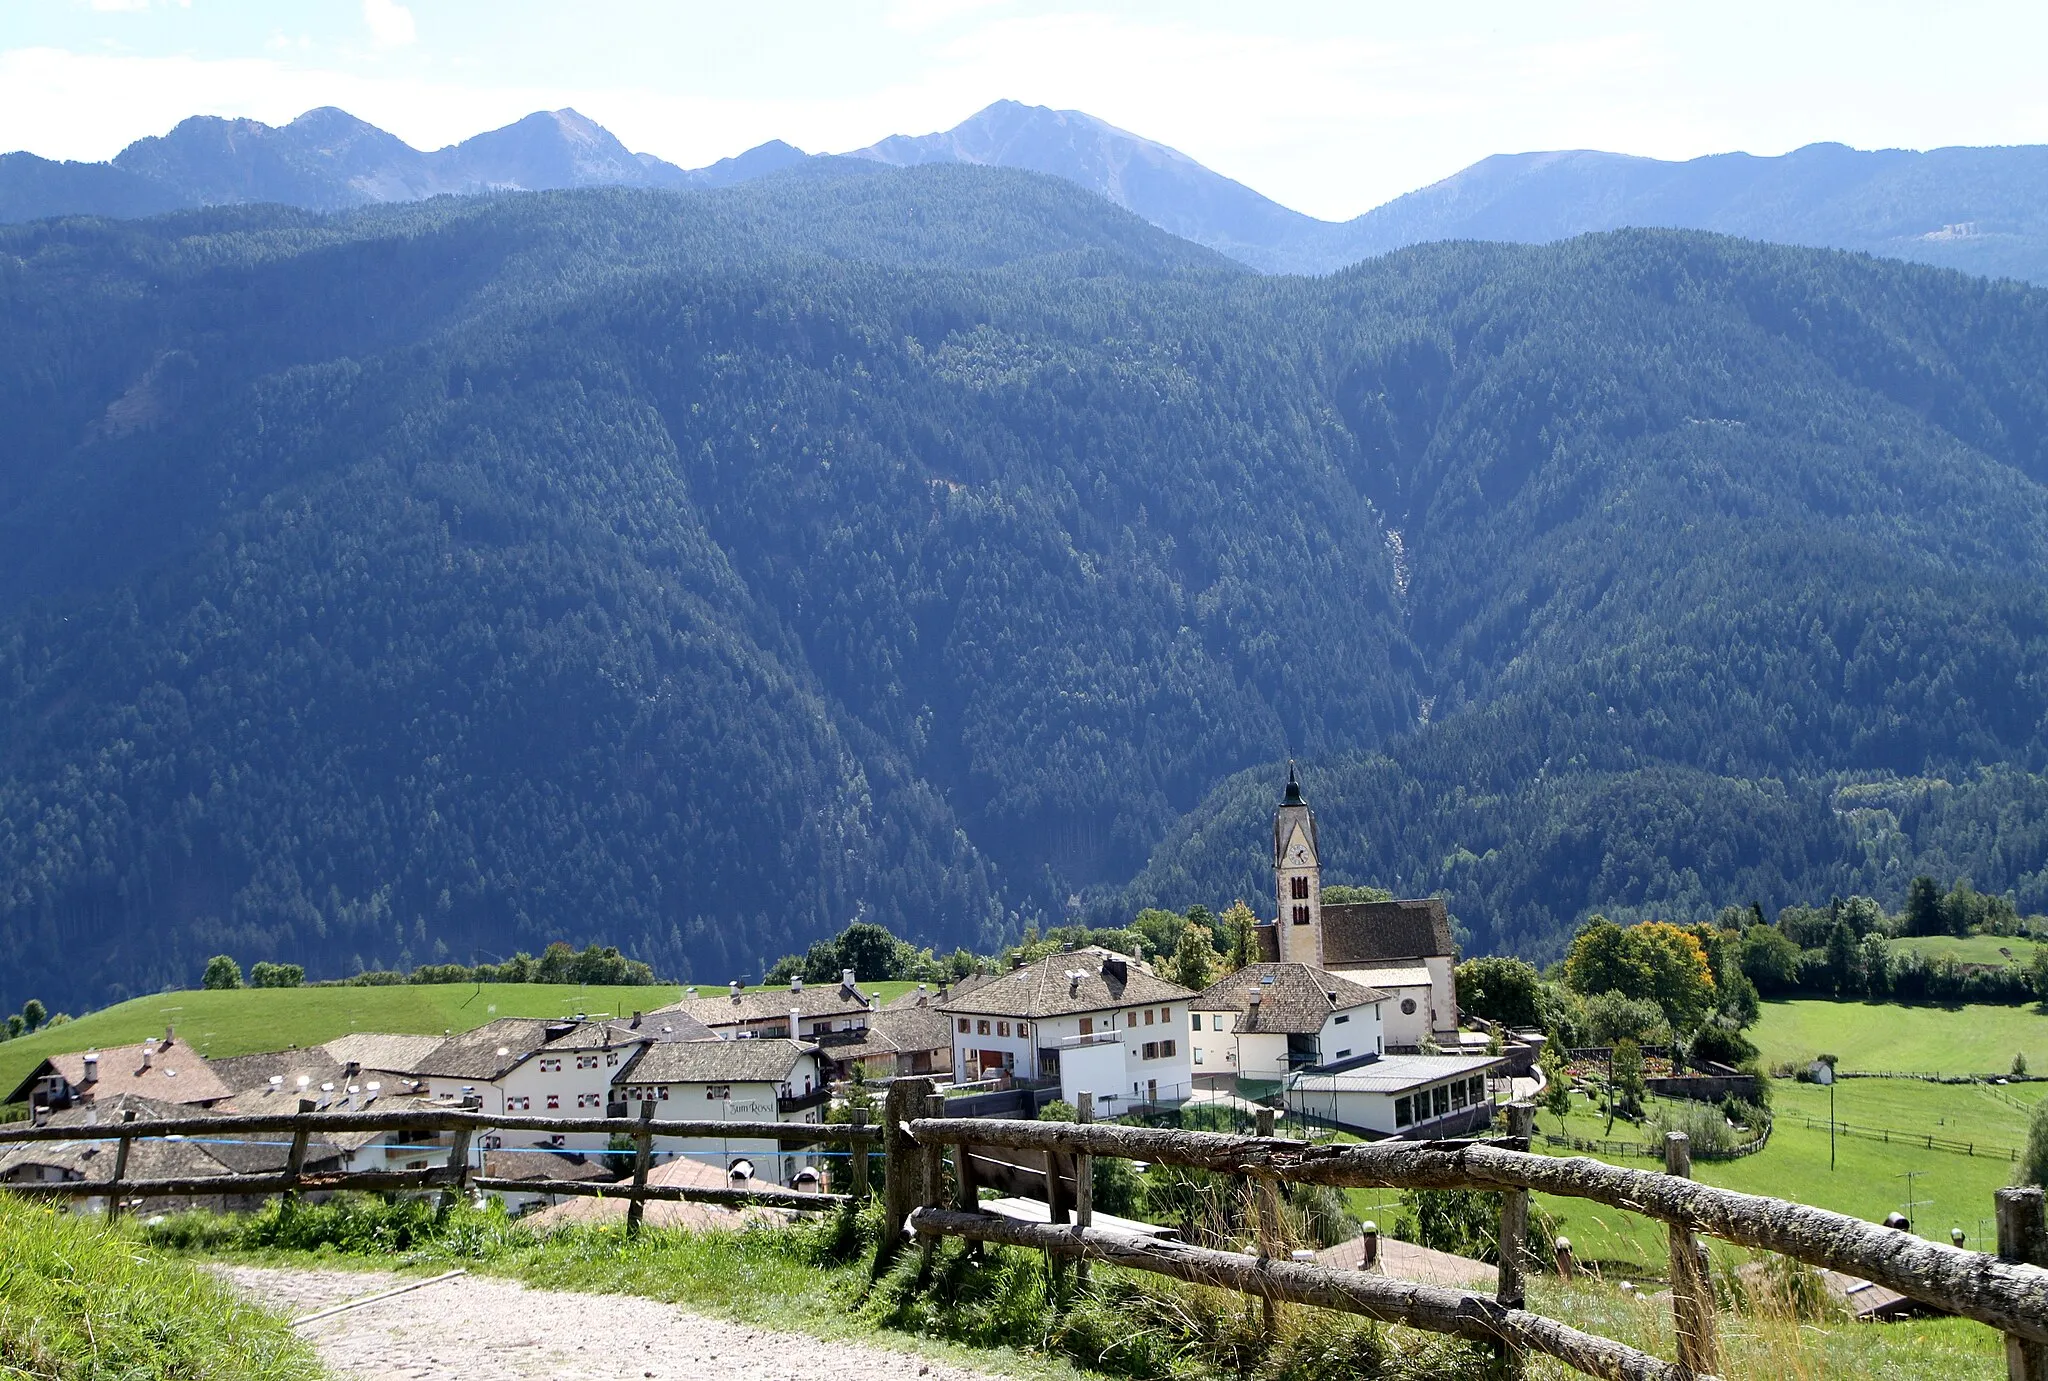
column 479, row 1328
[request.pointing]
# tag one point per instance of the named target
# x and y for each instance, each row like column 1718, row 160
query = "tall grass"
column 82, row 1302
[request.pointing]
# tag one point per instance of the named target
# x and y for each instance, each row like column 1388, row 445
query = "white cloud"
column 390, row 23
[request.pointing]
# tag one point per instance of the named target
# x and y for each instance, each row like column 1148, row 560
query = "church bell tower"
column 1298, row 874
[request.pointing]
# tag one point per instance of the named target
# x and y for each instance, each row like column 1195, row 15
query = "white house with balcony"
column 1268, row 1020
column 1091, row 1020
column 760, row 1079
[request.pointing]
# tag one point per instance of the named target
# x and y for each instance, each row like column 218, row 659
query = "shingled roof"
column 1083, row 980
column 168, row 1071
column 739, row 1008
column 1294, row 999
column 1374, row 932
column 766, row 1061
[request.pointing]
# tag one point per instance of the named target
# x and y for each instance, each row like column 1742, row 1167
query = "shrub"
column 1703, row 1124
column 221, row 972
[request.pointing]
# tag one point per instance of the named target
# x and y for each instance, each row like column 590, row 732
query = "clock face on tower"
column 1297, row 857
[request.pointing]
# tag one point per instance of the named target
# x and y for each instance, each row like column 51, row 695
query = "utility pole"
column 1911, row 1202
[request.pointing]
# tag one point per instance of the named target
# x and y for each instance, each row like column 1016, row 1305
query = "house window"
column 1341, row 1020
column 1404, row 1111
column 1130, row 1018
column 1087, row 1026
column 611, row 1060
column 1165, row 1014
column 963, row 1026
column 551, row 1066
column 1148, row 1016
column 1168, row 1049
column 1440, row 1100
column 981, row 1028
column 555, row 1102
column 588, row 1100
column 1478, row 1087
column 1221, row 1022
column 661, row 1094
column 1023, row 1029
column 586, row 1062
column 1151, row 1050
column 1002, row 1028
column 1458, row 1094
column 519, row 1104
column 1198, row 1054
column 1196, row 1018
column 1301, row 915
column 1300, row 889
column 718, row 1092
column 1343, row 1054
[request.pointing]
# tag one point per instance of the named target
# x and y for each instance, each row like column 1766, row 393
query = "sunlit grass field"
column 1884, row 1036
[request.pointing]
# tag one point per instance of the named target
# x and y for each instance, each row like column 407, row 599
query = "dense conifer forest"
column 699, row 572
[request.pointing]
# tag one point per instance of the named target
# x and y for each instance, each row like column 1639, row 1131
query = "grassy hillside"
column 1921, row 1040
column 80, row 1303
column 243, row 1020
column 1970, row 949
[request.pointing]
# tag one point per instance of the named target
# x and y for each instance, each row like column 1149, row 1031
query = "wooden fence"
column 452, row 1177
column 2007, row 1291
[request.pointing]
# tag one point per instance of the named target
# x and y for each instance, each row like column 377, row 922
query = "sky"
column 1331, row 108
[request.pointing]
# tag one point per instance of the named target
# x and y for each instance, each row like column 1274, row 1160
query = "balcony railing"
column 797, row 1102
column 1092, row 1038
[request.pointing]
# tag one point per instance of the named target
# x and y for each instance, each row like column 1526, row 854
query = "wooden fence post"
column 2022, row 1237
column 861, row 1190
column 458, row 1162
column 934, row 1195
column 903, row 1101
column 1510, row 1288
column 643, row 1152
column 1084, row 1182
column 1692, row 1289
column 1268, row 1224
column 295, row 1158
column 120, row 1168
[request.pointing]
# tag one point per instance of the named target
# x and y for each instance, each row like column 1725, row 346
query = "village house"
column 908, row 1036
column 817, row 1011
column 280, row 1080
column 162, row 1070
column 1268, row 1020
column 1404, row 949
column 763, row 1079
column 1419, row 1096
column 1092, row 1020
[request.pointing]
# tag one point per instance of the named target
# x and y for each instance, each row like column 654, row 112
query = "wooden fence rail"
column 2008, row 1292
column 451, row 1178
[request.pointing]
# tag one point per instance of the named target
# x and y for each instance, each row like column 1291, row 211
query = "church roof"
column 1363, row 933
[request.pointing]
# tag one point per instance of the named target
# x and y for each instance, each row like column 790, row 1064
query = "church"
column 1402, row 948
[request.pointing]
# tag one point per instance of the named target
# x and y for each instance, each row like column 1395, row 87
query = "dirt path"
column 477, row 1328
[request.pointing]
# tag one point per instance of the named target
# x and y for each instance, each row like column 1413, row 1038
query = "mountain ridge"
column 1979, row 210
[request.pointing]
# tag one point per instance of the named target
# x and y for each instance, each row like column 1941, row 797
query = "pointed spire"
column 1293, row 787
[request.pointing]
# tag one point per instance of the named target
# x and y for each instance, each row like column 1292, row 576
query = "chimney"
column 735, row 992
column 636, row 1021
column 846, row 980
column 351, row 1069
column 170, row 1034
column 39, row 1114
column 148, row 1056
column 92, row 1067
column 796, row 983
column 795, row 1015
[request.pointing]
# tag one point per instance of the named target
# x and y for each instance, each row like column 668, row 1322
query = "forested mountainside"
column 944, row 546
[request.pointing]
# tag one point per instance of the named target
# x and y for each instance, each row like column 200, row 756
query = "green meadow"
column 1970, row 949
column 1881, row 1036
column 239, row 1021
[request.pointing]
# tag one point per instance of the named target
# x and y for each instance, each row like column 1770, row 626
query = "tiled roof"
column 1391, row 975
column 1376, row 932
column 191, row 1156
column 1085, row 980
column 376, row 1050
column 174, row 1073
column 898, row 1030
column 734, row 1009
column 253, row 1073
column 544, row 1165
column 767, row 1061
column 491, row 1050
column 1294, row 999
